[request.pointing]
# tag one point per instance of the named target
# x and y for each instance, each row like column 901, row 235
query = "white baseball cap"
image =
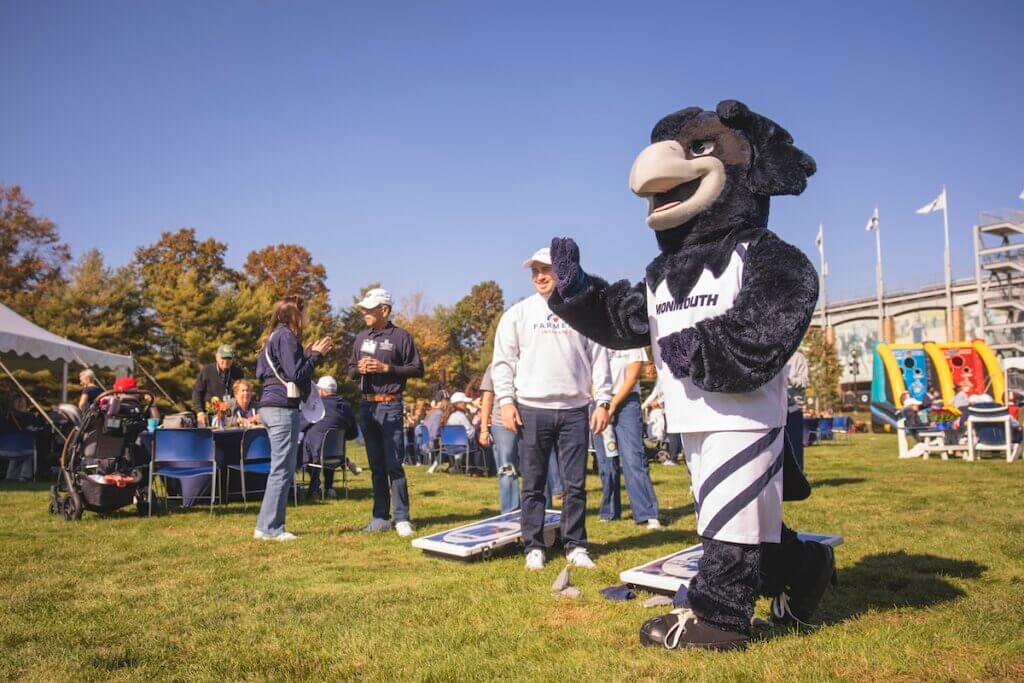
column 374, row 298
column 459, row 397
column 328, row 383
column 539, row 256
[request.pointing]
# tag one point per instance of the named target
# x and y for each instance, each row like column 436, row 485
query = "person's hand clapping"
column 322, row 346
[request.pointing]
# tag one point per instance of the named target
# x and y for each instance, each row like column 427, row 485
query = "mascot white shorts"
column 736, row 480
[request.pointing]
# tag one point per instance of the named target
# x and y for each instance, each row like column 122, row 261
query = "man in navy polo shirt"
column 383, row 358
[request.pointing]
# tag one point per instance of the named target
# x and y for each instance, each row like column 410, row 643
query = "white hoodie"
column 541, row 362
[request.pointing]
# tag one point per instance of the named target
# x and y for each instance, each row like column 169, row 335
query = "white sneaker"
column 432, row 468
column 404, row 529
column 669, row 463
column 283, row 536
column 535, row 560
column 653, row 523
column 578, row 557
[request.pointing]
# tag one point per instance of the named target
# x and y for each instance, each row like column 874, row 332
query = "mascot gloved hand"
column 724, row 305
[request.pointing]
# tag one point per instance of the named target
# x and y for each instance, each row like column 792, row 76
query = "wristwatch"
column 604, row 404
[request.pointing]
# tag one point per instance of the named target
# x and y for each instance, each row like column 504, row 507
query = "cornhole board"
column 484, row 537
column 667, row 574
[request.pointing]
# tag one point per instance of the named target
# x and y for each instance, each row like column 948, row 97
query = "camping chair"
column 810, row 431
column 18, row 446
column 332, row 458
column 453, row 439
column 255, row 459
column 988, row 429
column 183, row 454
column 825, row 429
column 842, row 425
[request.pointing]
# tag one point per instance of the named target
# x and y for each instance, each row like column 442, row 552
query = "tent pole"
column 64, row 382
column 29, row 397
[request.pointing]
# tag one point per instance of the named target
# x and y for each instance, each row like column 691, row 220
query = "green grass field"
column 931, row 588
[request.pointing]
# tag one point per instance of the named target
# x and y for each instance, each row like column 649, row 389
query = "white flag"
column 873, row 221
column 819, row 241
column 936, row 204
column 824, row 271
column 1022, row 194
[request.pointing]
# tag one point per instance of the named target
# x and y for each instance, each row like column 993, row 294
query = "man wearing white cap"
column 337, row 415
column 383, row 358
column 543, row 373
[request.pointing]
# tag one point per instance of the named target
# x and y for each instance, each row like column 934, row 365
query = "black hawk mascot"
column 724, row 305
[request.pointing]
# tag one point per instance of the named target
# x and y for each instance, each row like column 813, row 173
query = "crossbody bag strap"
column 270, row 361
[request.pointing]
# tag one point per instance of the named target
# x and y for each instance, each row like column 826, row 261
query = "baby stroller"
column 656, row 446
column 100, row 469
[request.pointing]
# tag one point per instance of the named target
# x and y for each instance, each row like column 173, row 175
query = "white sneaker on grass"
column 578, row 557
column 653, row 523
column 404, row 529
column 283, row 536
column 535, row 560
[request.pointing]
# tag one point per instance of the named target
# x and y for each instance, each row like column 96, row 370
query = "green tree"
column 467, row 325
column 825, row 369
column 32, row 257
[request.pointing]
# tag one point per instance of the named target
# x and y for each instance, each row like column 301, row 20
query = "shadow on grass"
column 454, row 518
column 837, row 481
column 647, row 539
column 673, row 515
column 894, row 580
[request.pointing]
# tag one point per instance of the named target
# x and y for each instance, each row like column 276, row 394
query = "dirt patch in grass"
column 569, row 614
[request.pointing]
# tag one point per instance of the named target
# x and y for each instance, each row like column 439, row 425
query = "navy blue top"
column 91, row 392
column 391, row 345
column 291, row 362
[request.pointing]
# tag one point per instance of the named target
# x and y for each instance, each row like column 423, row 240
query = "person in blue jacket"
column 283, row 362
column 337, row 415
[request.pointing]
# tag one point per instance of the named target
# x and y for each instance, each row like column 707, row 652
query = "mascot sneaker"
column 680, row 629
column 796, row 604
column 535, row 560
column 578, row 557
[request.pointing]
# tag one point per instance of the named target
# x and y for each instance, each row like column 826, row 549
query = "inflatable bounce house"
column 918, row 368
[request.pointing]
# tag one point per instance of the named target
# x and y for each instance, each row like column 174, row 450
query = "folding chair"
column 254, row 459
column 825, row 429
column 18, row 446
column 183, row 454
column 455, row 437
column 423, row 444
column 332, row 458
column 988, row 429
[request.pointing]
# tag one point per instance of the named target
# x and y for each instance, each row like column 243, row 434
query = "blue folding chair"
column 825, row 429
column 331, row 457
column 254, row 457
column 454, row 438
column 18, row 446
column 183, row 454
column 424, row 447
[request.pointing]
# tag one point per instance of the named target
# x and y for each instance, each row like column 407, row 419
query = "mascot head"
column 708, row 173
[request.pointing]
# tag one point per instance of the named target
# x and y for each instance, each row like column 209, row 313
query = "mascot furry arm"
column 708, row 177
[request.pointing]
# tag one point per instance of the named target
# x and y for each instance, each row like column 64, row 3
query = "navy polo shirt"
column 391, row 345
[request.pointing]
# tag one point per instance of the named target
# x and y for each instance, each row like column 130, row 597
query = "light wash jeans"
column 506, row 457
column 629, row 439
column 283, row 429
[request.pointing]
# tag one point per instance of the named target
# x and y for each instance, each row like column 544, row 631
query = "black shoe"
column 680, row 629
column 796, row 604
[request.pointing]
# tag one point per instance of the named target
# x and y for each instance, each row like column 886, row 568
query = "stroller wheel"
column 72, row 508
column 663, row 455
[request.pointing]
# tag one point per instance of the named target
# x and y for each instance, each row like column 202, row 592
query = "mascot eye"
column 702, row 148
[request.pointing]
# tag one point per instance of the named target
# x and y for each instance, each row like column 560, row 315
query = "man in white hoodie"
column 543, row 371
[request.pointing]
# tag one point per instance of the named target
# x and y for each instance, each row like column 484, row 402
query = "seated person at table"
column 459, row 414
column 90, row 389
column 244, row 413
column 963, row 396
column 337, row 415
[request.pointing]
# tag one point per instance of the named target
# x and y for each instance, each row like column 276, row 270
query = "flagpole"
column 878, row 276
column 822, row 268
column 949, row 268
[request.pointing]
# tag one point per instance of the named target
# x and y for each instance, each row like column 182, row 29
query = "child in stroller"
column 101, row 466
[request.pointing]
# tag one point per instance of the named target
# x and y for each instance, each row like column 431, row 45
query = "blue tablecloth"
column 228, row 445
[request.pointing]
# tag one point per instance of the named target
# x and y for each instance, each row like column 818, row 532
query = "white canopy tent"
column 23, row 344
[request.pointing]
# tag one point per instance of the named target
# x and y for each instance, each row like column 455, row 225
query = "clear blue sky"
column 435, row 145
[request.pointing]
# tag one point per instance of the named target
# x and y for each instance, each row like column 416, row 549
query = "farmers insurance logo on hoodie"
column 552, row 325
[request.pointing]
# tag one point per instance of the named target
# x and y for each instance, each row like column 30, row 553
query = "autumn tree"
column 286, row 269
column 466, row 327
column 825, row 369
column 32, row 257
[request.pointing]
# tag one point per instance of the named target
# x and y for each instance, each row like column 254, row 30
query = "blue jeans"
column 629, row 439
column 610, row 472
column 283, row 429
column 565, row 431
column 382, row 425
column 506, row 457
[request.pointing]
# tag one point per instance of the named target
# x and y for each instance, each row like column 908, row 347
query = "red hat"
column 124, row 384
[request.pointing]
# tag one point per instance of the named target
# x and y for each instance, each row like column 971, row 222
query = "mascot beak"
column 677, row 188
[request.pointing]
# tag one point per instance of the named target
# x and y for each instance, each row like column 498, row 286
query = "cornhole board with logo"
column 484, row 537
column 667, row 574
